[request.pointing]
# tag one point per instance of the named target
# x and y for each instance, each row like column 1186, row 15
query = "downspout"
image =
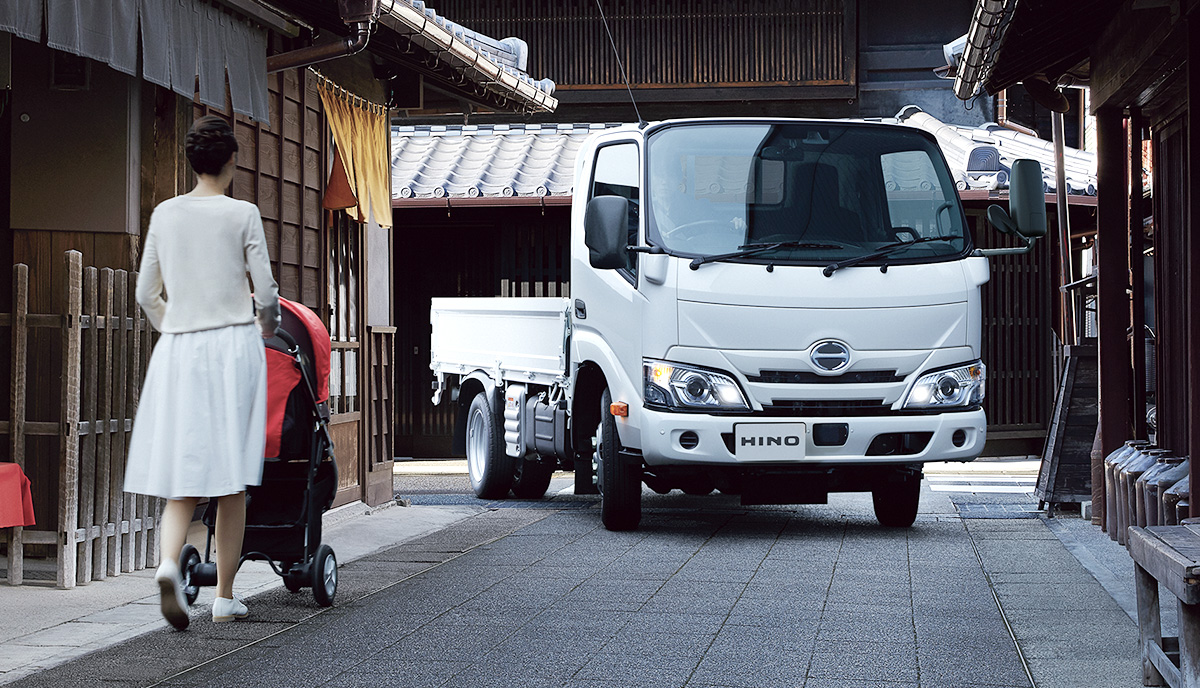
column 350, row 45
column 1002, row 115
column 1071, row 329
column 358, row 15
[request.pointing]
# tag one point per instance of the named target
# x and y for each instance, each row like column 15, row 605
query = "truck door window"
column 916, row 203
column 616, row 174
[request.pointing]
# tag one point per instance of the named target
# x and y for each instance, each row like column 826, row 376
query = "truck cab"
column 772, row 308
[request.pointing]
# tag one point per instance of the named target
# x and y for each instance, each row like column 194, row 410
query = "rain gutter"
column 406, row 20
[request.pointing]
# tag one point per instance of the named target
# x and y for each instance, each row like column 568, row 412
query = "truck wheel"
column 532, row 479
column 620, row 481
column 896, row 502
column 489, row 467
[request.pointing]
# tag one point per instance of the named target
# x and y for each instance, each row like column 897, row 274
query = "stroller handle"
column 287, row 339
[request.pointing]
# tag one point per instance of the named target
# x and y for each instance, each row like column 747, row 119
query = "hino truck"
column 771, row 308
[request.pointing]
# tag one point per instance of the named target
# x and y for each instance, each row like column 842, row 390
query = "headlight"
column 954, row 388
column 677, row 386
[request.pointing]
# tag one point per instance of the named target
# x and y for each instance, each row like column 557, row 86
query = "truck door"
column 607, row 320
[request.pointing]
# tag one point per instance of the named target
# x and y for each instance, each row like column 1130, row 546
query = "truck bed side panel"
column 522, row 339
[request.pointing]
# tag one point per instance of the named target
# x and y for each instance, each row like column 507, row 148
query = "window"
column 344, row 263
column 915, row 199
column 616, row 174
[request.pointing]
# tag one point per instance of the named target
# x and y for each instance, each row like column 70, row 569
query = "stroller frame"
column 315, row 565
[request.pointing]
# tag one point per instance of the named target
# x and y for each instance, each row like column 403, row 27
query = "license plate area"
column 769, row 441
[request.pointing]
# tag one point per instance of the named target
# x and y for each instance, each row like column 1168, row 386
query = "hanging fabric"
column 182, row 42
column 361, row 136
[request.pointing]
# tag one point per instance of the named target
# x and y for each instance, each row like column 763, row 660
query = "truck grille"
column 866, row 407
column 796, row 377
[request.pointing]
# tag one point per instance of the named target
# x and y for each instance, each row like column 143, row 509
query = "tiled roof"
column 494, row 65
column 981, row 157
column 538, row 160
column 501, row 160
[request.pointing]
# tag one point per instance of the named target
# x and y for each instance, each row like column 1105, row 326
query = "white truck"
column 774, row 308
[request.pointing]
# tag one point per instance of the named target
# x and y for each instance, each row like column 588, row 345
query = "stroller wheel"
column 324, row 576
column 189, row 558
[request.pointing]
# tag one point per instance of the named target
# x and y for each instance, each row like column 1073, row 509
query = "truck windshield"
column 822, row 191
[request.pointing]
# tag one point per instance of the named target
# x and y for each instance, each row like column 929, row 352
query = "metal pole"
column 1070, row 327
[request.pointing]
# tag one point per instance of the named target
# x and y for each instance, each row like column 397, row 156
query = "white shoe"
column 225, row 609
column 170, row 586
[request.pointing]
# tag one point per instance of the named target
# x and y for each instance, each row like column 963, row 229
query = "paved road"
column 706, row 594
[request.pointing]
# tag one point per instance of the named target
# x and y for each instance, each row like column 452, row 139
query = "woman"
column 200, row 426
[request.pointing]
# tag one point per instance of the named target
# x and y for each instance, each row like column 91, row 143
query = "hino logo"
column 777, row 441
column 830, row 355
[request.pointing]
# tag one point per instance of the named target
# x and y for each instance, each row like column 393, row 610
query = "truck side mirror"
column 1026, row 203
column 606, row 232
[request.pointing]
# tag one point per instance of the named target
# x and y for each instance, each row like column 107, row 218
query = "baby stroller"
column 283, row 514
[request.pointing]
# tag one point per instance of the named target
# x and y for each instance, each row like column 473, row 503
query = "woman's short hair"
column 209, row 144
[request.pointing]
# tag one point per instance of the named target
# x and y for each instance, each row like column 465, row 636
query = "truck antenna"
column 611, row 42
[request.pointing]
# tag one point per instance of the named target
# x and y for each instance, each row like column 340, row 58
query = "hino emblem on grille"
column 830, row 355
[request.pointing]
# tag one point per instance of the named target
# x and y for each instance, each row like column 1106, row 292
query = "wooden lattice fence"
column 97, row 530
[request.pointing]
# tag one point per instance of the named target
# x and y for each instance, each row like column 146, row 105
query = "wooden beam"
column 1112, row 281
column 1129, row 56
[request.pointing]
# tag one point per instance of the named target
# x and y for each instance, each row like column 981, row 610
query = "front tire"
column 490, row 468
column 896, row 502
column 620, row 481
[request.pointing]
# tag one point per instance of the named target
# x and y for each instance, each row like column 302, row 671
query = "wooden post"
column 1149, row 623
column 156, row 504
column 87, row 458
column 123, row 519
column 1191, row 338
column 104, row 497
column 1112, row 301
column 1137, row 274
column 1189, row 645
column 68, row 435
column 140, row 502
column 16, row 434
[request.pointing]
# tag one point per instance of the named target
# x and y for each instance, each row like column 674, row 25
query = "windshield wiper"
column 751, row 249
column 885, row 250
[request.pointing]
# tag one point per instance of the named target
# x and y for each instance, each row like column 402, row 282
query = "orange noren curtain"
column 361, row 137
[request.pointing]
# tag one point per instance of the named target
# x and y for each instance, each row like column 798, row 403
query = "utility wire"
column 620, row 66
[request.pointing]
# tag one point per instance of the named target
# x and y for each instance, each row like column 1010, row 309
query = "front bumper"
column 663, row 435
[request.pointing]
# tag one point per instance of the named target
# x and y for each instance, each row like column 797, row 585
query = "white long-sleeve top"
column 194, row 263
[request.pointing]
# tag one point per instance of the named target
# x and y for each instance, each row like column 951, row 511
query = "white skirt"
column 200, row 429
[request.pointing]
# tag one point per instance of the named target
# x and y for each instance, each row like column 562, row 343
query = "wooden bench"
column 1169, row 555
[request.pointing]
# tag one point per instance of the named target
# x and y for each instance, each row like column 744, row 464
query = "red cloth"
column 282, row 378
column 16, row 501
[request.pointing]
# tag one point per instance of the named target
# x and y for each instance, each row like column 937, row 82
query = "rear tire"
column 896, row 502
column 324, row 576
column 532, row 479
column 620, row 481
column 490, row 468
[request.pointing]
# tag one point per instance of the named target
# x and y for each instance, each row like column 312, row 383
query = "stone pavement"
column 44, row 627
column 707, row 593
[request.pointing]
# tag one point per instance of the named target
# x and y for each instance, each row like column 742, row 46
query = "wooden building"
column 97, row 98
column 692, row 58
column 1135, row 58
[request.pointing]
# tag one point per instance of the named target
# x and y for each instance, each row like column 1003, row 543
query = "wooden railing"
column 98, row 529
